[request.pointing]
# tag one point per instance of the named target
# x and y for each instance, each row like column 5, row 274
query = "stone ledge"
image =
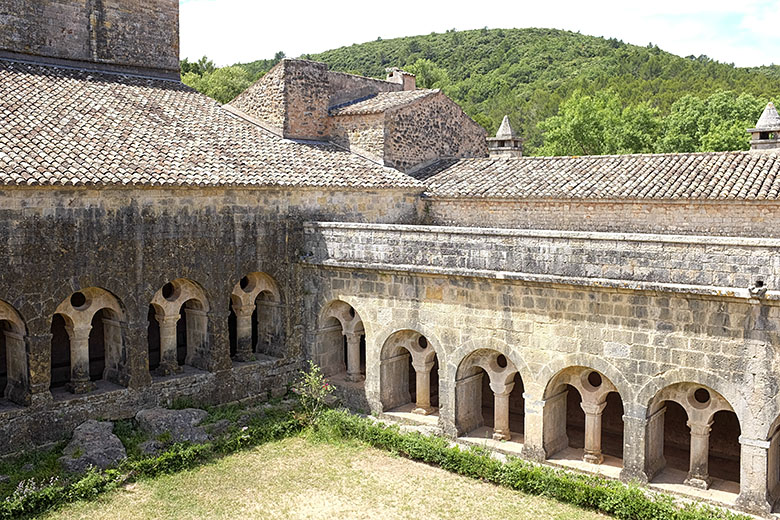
column 631, row 285
column 310, row 227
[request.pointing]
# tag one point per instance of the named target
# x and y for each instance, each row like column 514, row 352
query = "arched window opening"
column 340, row 344
column 677, row 437
column 60, row 353
column 97, row 347
column 612, row 426
column 575, row 418
column 255, row 324
column 724, row 456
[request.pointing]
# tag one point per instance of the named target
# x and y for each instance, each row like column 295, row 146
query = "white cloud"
column 229, row 31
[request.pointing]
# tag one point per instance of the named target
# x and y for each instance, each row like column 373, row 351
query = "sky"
column 743, row 32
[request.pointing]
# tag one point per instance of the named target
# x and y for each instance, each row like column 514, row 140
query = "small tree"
column 312, row 389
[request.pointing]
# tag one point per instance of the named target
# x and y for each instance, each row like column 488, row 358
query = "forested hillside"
column 566, row 93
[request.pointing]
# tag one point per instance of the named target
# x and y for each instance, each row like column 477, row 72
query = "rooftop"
column 381, row 102
column 682, row 176
column 64, row 126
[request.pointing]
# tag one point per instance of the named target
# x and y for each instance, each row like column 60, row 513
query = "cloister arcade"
column 341, row 343
column 255, row 318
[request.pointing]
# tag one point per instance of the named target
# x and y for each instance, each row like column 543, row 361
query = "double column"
column 699, row 471
column 79, row 359
column 169, row 363
column 592, row 451
column 244, row 345
column 422, row 371
column 353, row 357
column 501, row 392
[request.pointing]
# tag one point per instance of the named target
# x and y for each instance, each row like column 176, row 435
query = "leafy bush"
column 312, row 389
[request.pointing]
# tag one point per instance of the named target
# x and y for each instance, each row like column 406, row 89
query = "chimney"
column 406, row 79
column 505, row 144
column 766, row 134
column 137, row 36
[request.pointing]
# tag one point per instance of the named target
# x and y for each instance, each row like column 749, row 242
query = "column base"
column 593, row 458
column 698, row 482
column 80, row 387
column 424, row 410
column 167, row 369
column 245, row 357
column 355, row 378
column 498, row 435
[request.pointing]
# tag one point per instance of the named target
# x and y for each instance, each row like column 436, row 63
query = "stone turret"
column 766, row 134
column 406, row 79
column 505, row 143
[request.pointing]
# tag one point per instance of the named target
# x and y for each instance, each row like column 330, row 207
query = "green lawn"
column 298, row 478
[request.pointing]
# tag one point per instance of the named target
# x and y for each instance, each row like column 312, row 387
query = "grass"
column 301, row 478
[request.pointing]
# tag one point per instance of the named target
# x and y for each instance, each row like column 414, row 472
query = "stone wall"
column 642, row 337
column 129, row 244
column 361, row 133
column 349, row 87
column 730, row 218
column 433, row 127
column 136, row 34
column 714, row 265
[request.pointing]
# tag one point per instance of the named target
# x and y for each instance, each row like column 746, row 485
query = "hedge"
column 590, row 492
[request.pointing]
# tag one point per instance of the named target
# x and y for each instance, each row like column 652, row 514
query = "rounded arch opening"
column 340, row 349
column 87, row 344
column 178, row 327
column 409, row 374
column 255, row 321
column 489, row 397
column 14, row 378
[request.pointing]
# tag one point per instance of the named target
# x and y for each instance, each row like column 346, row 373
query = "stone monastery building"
column 615, row 314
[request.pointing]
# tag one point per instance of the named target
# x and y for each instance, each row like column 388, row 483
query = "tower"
column 505, row 144
column 766, row 134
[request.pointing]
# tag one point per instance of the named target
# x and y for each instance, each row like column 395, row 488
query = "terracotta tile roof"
column 686, row 176
column 63, row 126
column 381, row 102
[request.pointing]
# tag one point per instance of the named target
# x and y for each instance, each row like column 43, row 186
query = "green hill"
column 530, row 73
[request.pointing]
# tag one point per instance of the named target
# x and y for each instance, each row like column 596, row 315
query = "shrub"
column 312, row 389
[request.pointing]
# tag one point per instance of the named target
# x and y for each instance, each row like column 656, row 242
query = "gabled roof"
column 683, row 176
column 381, row 102
column 62, row 126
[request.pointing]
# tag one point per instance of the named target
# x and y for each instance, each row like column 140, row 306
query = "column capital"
column 79, row 332
column 167, row 320
column 593, row 408
column 423, row 367
column 502, row 389
column 700, row 429
column 754, row 443
column 244, row 311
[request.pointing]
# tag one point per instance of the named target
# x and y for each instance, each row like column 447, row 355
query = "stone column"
column 244, row 332
column 168, row 362
column 754, row 477
column 39, row 366
column 353, row 357
column 79, row 359
column 592, row 449
column 501, row 431
column 422, row 373
column 698, row 473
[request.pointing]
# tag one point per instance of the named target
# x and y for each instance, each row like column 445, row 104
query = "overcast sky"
column 744, row 32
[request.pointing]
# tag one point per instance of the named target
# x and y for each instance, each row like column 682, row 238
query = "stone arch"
column 256, row 317
column 472, row 392
column 181, row 341
column 340, row 343
column 14, row 367
column 599, row 364
column 706, row 412
column 404, row 354
column 575, row 401
column 93, row 342
column 492, row 343
column 729, row 391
